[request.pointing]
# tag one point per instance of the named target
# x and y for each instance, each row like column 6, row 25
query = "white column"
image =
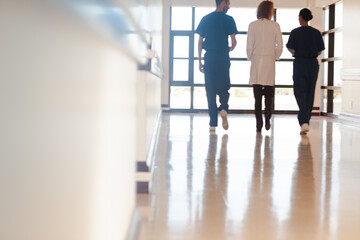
column 350, row 73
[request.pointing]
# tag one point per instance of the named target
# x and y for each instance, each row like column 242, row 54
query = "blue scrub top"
column 306, row 41
column 215, row 29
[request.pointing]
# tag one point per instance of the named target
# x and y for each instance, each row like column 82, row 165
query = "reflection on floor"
column 238, row 184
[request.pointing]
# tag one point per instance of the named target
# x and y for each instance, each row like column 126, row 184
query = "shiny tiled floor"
column 237, row 184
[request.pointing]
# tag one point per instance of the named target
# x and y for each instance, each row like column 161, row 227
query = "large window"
column 187, row 87
column 332, row 59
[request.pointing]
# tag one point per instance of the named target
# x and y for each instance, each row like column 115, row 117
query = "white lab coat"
column 264, row 46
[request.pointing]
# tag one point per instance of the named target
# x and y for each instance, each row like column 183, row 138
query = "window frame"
column 190, row 82
column 328, row 83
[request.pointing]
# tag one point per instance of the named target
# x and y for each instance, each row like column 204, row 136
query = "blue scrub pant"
column 305, row 75
column 217, row 82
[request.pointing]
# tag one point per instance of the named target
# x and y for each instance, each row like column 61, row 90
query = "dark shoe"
column 267, row 123
column 259, row 125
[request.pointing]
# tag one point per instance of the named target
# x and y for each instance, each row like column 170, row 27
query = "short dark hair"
column 264, row 9
column 218, row 2
column 306, row 14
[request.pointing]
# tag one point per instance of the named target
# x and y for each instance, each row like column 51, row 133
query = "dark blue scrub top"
column 215, row 29
column 306, row 41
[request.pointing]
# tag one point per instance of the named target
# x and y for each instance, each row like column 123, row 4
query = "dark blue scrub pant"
column 217, row 82
column 305, row 75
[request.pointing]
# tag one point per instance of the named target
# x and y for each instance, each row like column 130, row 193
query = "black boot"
column 259, row 124
column 267, row 121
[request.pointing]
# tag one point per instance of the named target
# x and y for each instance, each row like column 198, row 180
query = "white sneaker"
column 225, row 123
column 212, row 129
column 304, row 128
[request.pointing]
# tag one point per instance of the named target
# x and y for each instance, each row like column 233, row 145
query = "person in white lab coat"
column 264, row 46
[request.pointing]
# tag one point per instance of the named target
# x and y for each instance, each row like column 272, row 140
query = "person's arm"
column 232, row 31
column 291, row 44
column 249, row 43
column 201, row 66
column 279, row 43
column 292, row 51
column 233, row 42
column 321, row 44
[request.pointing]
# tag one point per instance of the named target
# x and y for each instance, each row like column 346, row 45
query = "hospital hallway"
column 239, row 184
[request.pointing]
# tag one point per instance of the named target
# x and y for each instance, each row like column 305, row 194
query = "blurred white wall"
column 351, row 61
column 148, row 88
column 239, row 3
column 68, row 123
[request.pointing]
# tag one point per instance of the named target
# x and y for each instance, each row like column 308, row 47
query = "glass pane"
column 338, row 51
column 240, row 50
column 337, row 101
column 326, row 43
column 339, row 15
column 286, row 53
column 283, row 73
column 181, row 70
column 200, row 101
column 200, row 12
column 181, row 18
column 240, row 72
column 241, row 98
column 198, row 76
column 285, row 99
column 324, row 71
column 288, row 19
column 324, row 100
column 180, row 97
column 337, row 69
column 243, row 17
column 181, row 46
column 326, row 20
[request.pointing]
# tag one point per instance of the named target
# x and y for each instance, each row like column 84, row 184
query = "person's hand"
column 201, row 67
column 231, row 48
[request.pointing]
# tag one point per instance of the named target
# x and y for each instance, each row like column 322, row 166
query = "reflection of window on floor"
column 187, row 85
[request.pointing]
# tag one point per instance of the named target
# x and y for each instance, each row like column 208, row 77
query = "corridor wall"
column 350, row 73
column 68, row 103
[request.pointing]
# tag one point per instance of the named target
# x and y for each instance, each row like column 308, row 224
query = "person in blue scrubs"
column 306, row 44
column 214, row 30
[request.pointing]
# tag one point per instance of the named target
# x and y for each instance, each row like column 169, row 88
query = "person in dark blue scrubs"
column 214, row 30
column 306, row 44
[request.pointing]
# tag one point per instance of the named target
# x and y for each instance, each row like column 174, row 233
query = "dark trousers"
column 268, row 92
column 305, row 76
column 217, row 82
